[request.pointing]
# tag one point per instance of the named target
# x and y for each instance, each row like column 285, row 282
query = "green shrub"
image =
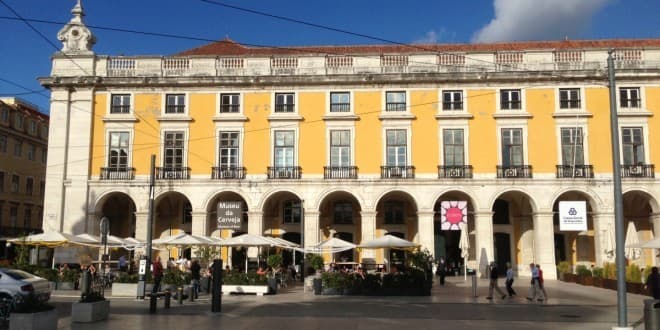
column 176, row 277
column 251, row 278
column 420, row 259
column 274, row 261
column 598, row 272
column 126, row 278
column 582, row 270
column 564, row 267
column 70, row 275
column 633, row 274
column 334, row 280
column 314, row 260
column 609, row 270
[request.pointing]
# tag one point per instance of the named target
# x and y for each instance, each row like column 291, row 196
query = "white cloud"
column 538, row 19
column 433, row 36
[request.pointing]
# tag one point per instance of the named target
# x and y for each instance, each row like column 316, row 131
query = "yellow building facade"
column 358, row 142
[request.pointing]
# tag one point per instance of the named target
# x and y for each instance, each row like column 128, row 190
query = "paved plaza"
column 570, row 306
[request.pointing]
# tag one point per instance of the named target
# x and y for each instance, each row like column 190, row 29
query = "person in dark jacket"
column 157, row 273
column 653, row 283
column 493, row 282
column 195, row 276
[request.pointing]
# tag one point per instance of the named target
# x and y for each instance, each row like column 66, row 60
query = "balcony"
column 172, row 173
column 638, row 171
column 340, row 107
column 284, row 172
column 227, row 172
column 455, row 172
column 514, row 171
column 577, row 171
column 397, row 172
column 117, row 173
column 340, row 172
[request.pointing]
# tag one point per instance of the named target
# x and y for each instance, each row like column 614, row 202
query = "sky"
column 25, row 53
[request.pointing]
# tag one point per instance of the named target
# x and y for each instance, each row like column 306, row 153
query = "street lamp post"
column 105, row 229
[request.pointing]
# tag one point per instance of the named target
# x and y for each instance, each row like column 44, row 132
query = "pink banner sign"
column 452, row 214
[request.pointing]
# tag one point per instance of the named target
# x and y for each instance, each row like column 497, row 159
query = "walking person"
column 653, row 283
column 157, row 273
column 535, row 292
column 493, row 282
column 441, row 271
column 541, row 285
column 195, row 277
column 509, row 280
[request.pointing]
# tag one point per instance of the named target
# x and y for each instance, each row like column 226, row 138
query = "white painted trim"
column 218, row 101
column 441, row 100
column 338, row 126
column 229, row 127
column 106, row 146
column 186, row 100
column 582, row 124
column 631, row 122
column 296, row 103
column 582, row 95
column 351, row 110
column 174, row 127
column 296, row 144
column 500, row 127
column 463, row 124
column 383, row 103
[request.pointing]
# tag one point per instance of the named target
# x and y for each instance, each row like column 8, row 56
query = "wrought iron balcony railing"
column 576, row 171
column 638, row 171
column 340, row 172
column 397, row 172
column 455, row 171
column 284, row 172
column 172, row 173
column 117, row 173
column 514, row 171
column 228, row 172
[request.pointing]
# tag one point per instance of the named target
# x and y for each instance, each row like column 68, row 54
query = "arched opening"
column 638, row 215
column 340, row 217
column 396, row 212
column 575, row 247
column 283, row 217
column 226, row 201
column 513, row 231
column 172, row 216
column 447, row 238
column 119, row 208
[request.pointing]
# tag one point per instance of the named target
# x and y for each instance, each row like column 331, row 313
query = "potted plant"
column 274, row 262
column 563, row 268
column 584, row 275
column 245, row 283
column 31, row 313
column 316, row 261
column 333, row 283
column 598, row 277
column 125, row 285
column 634, row 279
column 175, row 280
column 92, row 305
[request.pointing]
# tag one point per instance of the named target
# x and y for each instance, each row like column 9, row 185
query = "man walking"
column 509, row 280
column 157, row 272
column 493, row 282
column 535, row 292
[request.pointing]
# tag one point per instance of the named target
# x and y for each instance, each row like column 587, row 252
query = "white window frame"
column 571, row 123
column 525, row 141
column 498, row 100
column 171, row 127
column 130, row 145
column 406, row 93
column 408, row 130
column 642, row 96
column 441, row 98
column 296, row 143
column 219, row 103
column 558, row 107
column 454, row 124
column 186, row 100
column 239, row 158
column 131, row 108
column 645, row 138
column 296, row 103
column 351, row 130
column 328, row 100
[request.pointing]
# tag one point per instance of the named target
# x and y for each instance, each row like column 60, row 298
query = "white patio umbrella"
column 608, row 242
column 113, row 241
column 464, row 245
column 332, row 245
column 52, row 239
column 632, row 253
column 132, row 243
column 183, row 239
column 247, row 240
column 652, row 244
column 388, row 241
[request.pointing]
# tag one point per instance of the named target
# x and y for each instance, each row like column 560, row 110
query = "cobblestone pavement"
column 570, row 306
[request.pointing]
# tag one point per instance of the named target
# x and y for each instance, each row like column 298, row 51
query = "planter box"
column 609, row 284
column 636, row 288
column 90, row 312
column 586, row 280
column 258, row 289
column 124, row 289
column 333, row 291
column 39, row 321
column 65, row 286
column 598, row 282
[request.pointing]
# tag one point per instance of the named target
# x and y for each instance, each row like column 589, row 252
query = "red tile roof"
column 27, row 110
column 229, row 47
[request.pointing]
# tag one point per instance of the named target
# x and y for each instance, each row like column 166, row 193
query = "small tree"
column 206, row 254
column 315, row 261
column 274, row 261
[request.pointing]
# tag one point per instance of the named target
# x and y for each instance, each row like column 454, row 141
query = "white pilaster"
column 199, row 226
column 368, row 219
column 255, row 227
column 603, row 226
column 141, row 222
column 484, row 240
column 544, row 244
column 425, row 230
column 655, row 221
column 311, row 236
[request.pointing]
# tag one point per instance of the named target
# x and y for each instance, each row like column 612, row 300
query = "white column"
column 311, row 233
column 544, row 244
column 255, row 227
column 368, row 219
column 484, row 240
column 425, row 230
column 141, row 225
column 655, row 220
column 199, row 226
column 603, row 226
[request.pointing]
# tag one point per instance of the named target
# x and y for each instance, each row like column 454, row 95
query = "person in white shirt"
column 535, row 292
column 509, row 280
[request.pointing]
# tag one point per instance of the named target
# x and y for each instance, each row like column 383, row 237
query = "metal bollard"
column 168, row 295
column 179, row 292
column 474, row 285
column 152, row 303
column 191, row 293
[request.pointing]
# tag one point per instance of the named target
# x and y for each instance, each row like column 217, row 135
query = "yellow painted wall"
column 256, row 157
column 541, row 134
column 368, row 132
column 147, row 131
column 653, row 105
column 483, row 134
column 312, row 143
column 97, row 152
column 201, row 143
column 600, row 151
column 424, row 142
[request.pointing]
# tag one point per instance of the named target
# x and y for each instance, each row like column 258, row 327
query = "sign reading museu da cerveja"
column 230, row 215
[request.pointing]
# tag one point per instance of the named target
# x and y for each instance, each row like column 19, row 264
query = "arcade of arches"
column 511, row 227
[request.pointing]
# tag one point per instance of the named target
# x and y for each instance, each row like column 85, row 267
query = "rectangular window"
column 510, row 99
column 173, row 150
column 120, row 103
column 229, row 149
column 395, row 101
column 396, row 147
column 343, row 213
column 5, row 115
column 2, row 182
column 284, row 148
column 15, row 183
column 44, row 155
column 175, row 103
column 3, row 143
column 572, row 151
column 569, row 98
column 292, row 211
column 632, row 145
column 29, row 186
column 340, row 102
column 118, row 150
column 13, row 215
column 340, row 148
column 394, row 213
column 284, row 102
column 27, row 217
column 18, row 148
column 230, row 103
column 18, row 121
column 32, row 150
column 452, row 100
column 453, row 148
column 33, row 127
column 512, row 147
column 629, row 97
